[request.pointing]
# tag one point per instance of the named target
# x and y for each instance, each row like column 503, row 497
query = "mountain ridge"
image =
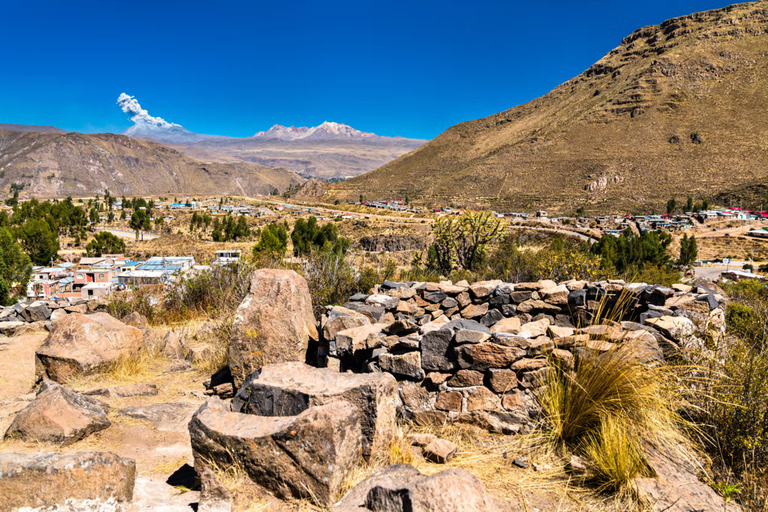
column 675, row 109
column 58, row 165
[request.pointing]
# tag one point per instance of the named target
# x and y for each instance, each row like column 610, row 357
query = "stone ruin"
column 422, row 352
column 476, row 353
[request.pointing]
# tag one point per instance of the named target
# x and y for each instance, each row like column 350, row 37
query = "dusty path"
column 162, row 451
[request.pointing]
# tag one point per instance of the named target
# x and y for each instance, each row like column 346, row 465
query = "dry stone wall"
column 477, row 352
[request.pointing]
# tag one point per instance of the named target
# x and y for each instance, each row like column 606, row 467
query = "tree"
column 93, row 216
column 273, row 241
column 242, row 230
column 462, row 240
column 630, row 253
column 39, row 241
column 307, row 236
column 140, row 222
column 705, row 204
column 671, row 206
column 15, row 268
column 105, row 243
column 689, row 204
column 216, row 233
column 688, row 251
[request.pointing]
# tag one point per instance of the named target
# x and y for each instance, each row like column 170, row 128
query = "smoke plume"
column 141, row 117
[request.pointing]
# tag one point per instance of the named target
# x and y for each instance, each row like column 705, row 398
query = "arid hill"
column 678, row 108
column 51, row 164
column 31, row 128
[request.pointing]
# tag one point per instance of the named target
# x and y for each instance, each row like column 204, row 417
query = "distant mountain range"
column 676, row 109
column 31, row 128
column 325, row 131
column 329, row 150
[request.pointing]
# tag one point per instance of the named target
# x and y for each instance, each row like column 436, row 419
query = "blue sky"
column 410, row 68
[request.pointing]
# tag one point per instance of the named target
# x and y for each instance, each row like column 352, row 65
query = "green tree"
column 15, row 269
column 273, row 241
column 630, row 253
column 39, row 241
column 689, row 204
column 671, row 206
column 308, row 236
column 140, row 222
column 241, row 229
column 688, row 251
column 216, row 234
column 105, row 243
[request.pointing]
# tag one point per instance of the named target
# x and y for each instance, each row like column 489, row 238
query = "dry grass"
column 608, row 409
column 616, row 454
column 250, row 497
column 489, row 457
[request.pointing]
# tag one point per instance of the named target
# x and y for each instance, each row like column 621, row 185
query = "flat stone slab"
column 402, row 488
column 65, row 481
column 288, row 389
column 171, row 417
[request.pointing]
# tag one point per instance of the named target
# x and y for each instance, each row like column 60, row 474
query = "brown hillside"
column 679, row 108
column 50, row 165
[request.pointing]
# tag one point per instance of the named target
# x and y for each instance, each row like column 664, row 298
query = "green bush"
column 733, row 395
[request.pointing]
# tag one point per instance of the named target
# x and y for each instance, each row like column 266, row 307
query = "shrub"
column 732, row 399
column 332, row 280
column 273, row 241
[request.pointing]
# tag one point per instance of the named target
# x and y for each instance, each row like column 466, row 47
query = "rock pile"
column 477, row 352
column 25, row 317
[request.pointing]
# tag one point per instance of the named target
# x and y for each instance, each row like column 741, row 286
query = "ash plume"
column 141, row 117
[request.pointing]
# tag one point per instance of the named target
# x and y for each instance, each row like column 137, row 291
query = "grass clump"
column 608, row 409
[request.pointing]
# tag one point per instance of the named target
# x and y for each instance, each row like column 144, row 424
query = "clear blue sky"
column 410, row 68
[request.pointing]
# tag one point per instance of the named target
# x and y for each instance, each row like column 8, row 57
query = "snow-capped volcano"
column 327, row 130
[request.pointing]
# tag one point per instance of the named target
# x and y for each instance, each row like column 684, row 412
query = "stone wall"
column 478, row 352
column 26, row 317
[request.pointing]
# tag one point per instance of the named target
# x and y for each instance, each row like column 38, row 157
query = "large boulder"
column 65, row 481
column 273, row 324
column 402, row 488
column 288, row 389
column 302, row 456
column 81, row 345
column 676, row 488
column 58, row 415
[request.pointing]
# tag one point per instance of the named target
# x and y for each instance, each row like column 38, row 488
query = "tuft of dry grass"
column 608, row 408
column 616, row 454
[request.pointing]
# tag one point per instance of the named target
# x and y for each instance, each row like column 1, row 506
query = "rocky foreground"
column 305, row 405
